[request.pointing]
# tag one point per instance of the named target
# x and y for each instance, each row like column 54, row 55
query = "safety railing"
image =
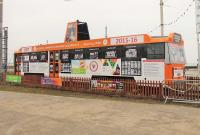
column 169, row 89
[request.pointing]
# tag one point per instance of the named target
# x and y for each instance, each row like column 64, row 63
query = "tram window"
column 91, row 53
column 51, row 56
column 156, row 51
column 57, row 67
column 64, row 55
column 175, row 54
column 18, row 68
column 78, row 56
column 71, row 54
column 57, row 56
column 94, row 55
column 51, row 67
column 18, row 58
column 131, row 53
column 43, row 56
column 25, row 58
column 110, row 54
column 33, row 57
column 142, row 52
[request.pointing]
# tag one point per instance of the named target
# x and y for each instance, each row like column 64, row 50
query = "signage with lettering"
column 127, row 40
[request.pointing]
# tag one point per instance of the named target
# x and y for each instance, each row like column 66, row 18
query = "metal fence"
column 144, row 89
column 2, row 77
column 192, row 78
column 32, row 80
column 187, row 90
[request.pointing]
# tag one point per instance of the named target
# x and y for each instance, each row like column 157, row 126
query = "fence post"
column 161, row 90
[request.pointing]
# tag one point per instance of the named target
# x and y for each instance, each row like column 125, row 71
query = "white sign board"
column 178, row 72
column 127, row 40
column 26, row 49
column 153, row 69
column 39, row 67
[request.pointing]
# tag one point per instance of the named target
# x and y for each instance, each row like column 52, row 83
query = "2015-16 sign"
column 127, row 40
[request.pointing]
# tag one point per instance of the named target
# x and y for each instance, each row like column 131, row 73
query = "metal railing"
column 185, row 90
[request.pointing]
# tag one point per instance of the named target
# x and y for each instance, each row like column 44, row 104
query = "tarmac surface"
column 34, row 114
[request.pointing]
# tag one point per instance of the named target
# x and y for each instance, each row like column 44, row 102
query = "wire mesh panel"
column 182, row 89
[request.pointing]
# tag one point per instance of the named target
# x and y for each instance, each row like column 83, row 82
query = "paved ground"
column 34, row 114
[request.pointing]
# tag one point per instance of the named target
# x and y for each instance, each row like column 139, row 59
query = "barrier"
column 104, row 86
column 32, row 80
column 192, row 78
column 76, row 84
column 144, row 89
column 184, row 90
column 1, row 77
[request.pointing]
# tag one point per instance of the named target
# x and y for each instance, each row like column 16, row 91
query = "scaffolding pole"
column 4, row 48
column 197, row 10
column 161, row 17
column 1, row 25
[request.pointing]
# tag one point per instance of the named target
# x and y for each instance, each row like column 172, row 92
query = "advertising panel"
column 71, row 34
column 97, row 67
column 51, row 81
column 107, row 85
column 13, row 78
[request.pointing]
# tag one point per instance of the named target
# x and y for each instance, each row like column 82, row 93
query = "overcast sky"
column 33, row 22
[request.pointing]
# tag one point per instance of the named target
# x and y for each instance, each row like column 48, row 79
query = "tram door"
column 54, row 64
